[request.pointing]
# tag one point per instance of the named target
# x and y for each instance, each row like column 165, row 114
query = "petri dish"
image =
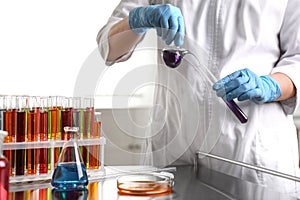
column 146, row 184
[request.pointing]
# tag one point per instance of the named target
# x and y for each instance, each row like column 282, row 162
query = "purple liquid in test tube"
column 236, row 110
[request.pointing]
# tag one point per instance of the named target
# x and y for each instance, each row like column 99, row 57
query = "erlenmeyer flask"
column 70, row 172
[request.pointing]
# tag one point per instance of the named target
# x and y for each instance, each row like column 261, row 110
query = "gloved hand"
column 244, row 84
column 167, row 20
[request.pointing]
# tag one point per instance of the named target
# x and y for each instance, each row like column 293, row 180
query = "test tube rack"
column 51, row 144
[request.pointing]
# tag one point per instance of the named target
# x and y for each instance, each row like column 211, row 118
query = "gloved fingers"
column 158, row 31
column 171, row 21
column 176, row 28
column 166, row 19
column 238, row 85
column 165, row 14
column 164, row 24
column 253, row 95
column 171, row 32
column 231, row 85
column 179, row 37
column 242, row 92
column 221, row 83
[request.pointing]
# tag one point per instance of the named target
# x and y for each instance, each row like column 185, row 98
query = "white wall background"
column 43, row 44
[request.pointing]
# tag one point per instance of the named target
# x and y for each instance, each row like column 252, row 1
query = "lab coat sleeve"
column 289, row 62
column 120, row 12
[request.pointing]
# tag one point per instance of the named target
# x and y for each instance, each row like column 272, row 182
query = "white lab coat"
column 226, row 36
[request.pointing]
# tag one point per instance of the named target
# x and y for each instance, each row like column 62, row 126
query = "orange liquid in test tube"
column 10, row 119
column 55, row 118
column 10, row 125
column 95, row 149
column 54, row 123
column 33, row 130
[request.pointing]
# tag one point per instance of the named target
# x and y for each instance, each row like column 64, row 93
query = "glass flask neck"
column 71, row 133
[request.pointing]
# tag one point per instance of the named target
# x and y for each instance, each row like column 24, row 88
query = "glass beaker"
column 70, row 172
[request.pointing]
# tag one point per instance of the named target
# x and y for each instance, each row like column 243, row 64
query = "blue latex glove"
column 167, row 20
column 244, row 84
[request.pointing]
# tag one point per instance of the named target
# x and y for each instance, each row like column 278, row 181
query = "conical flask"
column 70, row 172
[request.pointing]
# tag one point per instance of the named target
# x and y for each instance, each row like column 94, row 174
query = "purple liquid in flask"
column 173, row 57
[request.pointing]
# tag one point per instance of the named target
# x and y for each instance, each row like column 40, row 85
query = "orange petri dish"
column 146, row 184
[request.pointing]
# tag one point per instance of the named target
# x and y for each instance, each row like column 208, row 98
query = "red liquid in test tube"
column 21, row 133
column 66, row 120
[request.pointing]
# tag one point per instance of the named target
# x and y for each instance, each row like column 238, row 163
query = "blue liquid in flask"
column 70, row 172
column 66, row 176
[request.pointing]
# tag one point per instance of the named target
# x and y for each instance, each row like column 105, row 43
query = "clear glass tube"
column 77, row 122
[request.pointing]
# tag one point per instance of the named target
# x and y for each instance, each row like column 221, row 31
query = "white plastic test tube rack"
column 51, row 145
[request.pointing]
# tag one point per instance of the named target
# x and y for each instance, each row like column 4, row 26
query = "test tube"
column 33, row 133
column 88, row 109
column 66, row 116
column 78, row 118
column 55, row 119
column 22, row 105
column 43, row 156
column 95, row 149
column 76, row 111
column 88, row 116
column 10, row 125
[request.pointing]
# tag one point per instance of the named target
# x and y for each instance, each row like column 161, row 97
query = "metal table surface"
column 190, row 184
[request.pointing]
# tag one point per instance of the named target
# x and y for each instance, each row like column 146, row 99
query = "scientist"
column 253, row 48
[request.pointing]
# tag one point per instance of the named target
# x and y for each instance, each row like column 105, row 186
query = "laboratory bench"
column 189, row 183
